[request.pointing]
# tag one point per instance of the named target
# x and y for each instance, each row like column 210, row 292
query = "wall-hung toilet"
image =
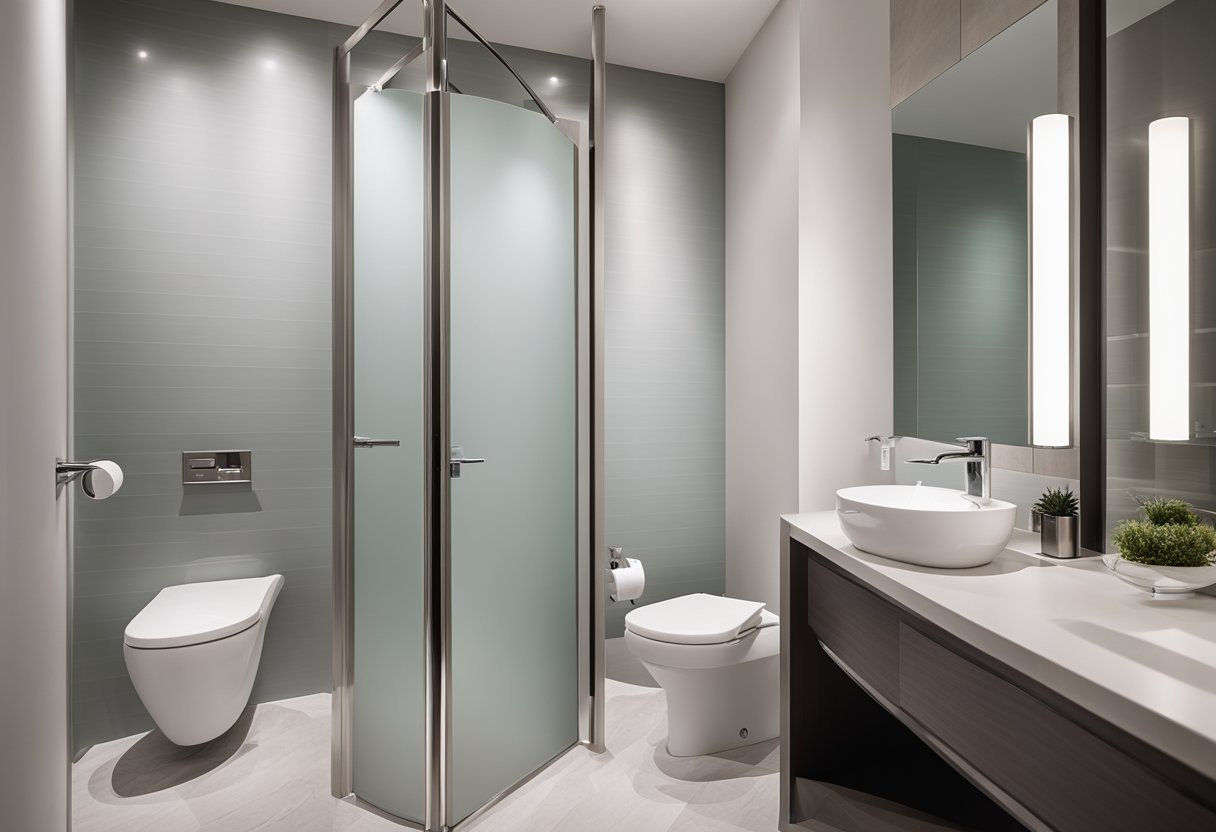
column 718, row 661
column 193, row 654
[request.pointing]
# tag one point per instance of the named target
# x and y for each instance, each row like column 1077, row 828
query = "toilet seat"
column 188, row 614
column 698, row 619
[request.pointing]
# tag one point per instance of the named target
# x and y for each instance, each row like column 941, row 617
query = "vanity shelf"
column 915, row 686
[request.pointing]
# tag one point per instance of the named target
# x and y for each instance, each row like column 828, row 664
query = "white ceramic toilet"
column 193, row 654
column 718, row 661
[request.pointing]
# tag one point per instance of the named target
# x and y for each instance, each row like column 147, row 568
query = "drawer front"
column 1070, row 778
column 858, row 626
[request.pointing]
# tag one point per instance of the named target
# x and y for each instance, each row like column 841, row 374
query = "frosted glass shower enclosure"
column 462, row 496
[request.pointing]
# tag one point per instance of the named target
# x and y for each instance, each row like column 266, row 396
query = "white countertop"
column 1146, row 666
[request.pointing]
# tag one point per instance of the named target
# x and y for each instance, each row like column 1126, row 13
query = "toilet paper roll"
column 102, row 481
column 627, row 583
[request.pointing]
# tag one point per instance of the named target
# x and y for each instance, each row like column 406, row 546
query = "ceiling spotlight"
column 270, row 63
column 553, row 79
column 142, row 54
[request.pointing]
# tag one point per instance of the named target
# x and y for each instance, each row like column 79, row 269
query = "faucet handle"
column 975, row 444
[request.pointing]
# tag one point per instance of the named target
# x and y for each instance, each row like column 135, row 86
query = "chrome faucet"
column 977, row 454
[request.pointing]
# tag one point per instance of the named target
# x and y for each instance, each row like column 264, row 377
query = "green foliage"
column 1161, row 512
column 1168, row 544
column 1057, row 502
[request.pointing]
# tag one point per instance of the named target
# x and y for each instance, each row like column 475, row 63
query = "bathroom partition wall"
column 461, row 484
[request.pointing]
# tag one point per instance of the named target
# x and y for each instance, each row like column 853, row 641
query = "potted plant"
column 1170, row 553
column 1057, row 514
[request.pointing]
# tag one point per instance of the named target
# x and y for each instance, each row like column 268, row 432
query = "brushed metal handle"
column 457, row 459
column 364, row 442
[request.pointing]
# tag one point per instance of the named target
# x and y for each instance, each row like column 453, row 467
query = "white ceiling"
column 695, row 38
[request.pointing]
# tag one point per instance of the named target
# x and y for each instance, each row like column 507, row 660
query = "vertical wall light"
column 1169, row 278
column 1050, row 156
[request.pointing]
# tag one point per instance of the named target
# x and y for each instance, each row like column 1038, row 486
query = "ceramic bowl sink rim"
column 938, row 500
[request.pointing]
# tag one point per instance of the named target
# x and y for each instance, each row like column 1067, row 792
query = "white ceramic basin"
column 924, row 525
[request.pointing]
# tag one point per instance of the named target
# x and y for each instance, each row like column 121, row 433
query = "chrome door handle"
column 364, row 442
column 457, row 459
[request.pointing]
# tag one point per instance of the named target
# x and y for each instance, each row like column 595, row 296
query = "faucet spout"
column 977, row 455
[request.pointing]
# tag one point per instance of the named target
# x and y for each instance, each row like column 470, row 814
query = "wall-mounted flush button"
column 213, row 467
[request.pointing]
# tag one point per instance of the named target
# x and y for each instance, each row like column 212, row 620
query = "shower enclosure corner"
column 464, row 296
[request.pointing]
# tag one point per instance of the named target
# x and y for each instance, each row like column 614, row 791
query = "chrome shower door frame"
column 437, row 612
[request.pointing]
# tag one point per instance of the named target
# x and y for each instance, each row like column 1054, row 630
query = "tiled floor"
column 271, row 772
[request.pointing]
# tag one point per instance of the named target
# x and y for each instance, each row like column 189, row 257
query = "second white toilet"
column 718, row 661
column 193, row 654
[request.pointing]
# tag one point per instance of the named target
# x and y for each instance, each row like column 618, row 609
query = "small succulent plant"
column 1057, row 502
column 1171, row 536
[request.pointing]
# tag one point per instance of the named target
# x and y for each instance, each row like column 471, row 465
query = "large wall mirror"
column 1160, row 254
column 961, row 244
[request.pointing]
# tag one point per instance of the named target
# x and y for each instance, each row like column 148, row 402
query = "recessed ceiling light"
column 553, row 79
column 142, row 54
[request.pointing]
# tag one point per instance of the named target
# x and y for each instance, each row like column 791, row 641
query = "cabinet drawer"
column 858, row 626
column 1066, row 775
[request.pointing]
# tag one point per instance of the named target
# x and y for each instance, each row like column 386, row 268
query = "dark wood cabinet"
column 882, row 700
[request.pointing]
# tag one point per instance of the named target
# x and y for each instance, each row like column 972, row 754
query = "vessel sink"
column 924, row 525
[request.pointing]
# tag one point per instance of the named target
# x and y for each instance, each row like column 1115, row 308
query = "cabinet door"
column 1069, row 777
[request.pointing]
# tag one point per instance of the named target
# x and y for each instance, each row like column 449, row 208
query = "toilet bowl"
column 193, row 654
column 718, row 662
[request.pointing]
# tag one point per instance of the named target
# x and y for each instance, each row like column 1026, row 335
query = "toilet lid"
column 194, row 613
column 695, row 619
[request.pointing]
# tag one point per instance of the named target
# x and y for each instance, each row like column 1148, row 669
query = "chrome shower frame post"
column 595, row 738
column 437, row 545
column 437, row 600
column 341, row 783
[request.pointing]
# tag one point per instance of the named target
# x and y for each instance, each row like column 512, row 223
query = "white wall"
column 808, row 272
column 845, row 381
column 33, row 415
column 762, row 118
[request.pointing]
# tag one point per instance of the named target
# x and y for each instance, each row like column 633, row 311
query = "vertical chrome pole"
column 343, row 429
column 598, row 72
column 437, row 569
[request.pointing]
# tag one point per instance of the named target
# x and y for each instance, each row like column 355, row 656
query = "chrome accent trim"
column 343, row 668
column 391, row 72
column 66, row 472
column 527, row 87
column 437, row 551
column 595, row 738
column 375, row 19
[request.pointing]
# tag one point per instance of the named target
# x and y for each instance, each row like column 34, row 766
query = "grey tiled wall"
column 202, row 295
column 202, row 321
column 1161, row 66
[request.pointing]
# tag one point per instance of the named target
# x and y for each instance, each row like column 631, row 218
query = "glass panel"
column 390, row 681
column 513, row 402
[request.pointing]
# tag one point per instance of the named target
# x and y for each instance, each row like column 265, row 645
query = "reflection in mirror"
column 1160, row 65
column 960, row 237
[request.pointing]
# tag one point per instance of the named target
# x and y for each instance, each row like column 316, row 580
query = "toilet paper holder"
column 66, row 471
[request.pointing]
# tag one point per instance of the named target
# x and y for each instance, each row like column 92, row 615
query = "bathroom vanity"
column 1024, row 694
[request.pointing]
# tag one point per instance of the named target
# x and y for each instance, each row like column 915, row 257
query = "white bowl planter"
column 1164, row 583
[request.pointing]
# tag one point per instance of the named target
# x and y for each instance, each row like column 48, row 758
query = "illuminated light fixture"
column 1050, row 156
column 1169, row 279
column 143, row 54
column 553, row 79
column 270, row 63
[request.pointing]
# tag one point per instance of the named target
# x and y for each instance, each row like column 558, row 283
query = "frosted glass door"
column 389, row 730
column 514, row 642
